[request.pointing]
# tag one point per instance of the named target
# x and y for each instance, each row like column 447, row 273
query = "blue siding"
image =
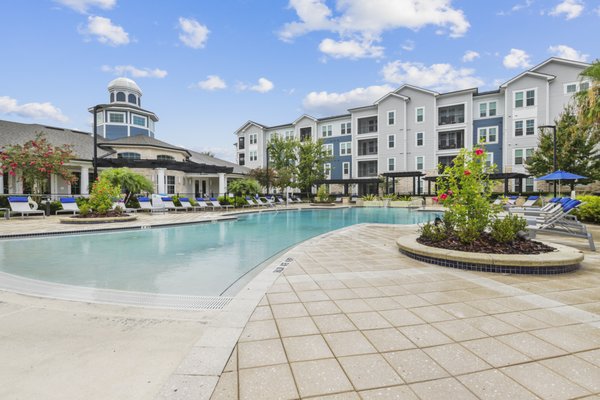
column 336, row 163
column 116, row 131
column 495, row 148
column 134, row 131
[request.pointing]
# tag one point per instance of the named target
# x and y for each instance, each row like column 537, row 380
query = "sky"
column 208, row 66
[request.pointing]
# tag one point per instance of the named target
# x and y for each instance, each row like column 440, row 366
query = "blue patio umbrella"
column 560, row 175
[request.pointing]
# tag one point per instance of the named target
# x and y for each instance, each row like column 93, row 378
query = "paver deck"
column 352, row 318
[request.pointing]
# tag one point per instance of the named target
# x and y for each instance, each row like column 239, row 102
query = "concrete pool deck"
column 349, row 316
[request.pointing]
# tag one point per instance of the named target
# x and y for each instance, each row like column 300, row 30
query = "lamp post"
column 95, row 159
column 268, row 174
column 554, row 161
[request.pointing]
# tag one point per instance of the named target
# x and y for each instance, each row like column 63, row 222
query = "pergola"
column 506, row 176
column 415, row 175
column 346, row 182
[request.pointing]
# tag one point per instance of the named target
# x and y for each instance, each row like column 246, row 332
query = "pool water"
column 196, row 259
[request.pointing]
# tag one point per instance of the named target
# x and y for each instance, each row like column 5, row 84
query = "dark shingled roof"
column 12, row 133
column 139, row 140
column 204, row 159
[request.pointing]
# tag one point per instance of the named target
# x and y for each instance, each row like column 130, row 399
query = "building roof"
column 530, row 73
column 205, row 159
column 249, row 122
column 560, row 60
column 124, row 83
column 12, row 133
column 139, row 140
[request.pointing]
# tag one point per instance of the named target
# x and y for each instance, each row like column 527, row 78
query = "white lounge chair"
column 121, row 204
column 146, row 205
column 202, row 203
column 185, row 202
column 20, row 205
column 251, row 203
column 169, row 205
column 216, row 204
column 263, row 203
column 69, row 205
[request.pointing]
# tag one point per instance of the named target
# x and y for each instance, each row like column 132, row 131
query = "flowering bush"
column 466, row 192
column 103, row 193
column 35, row 161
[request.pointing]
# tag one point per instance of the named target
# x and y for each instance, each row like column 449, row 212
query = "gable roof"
column 208, row 160
column 562, row 61
column 420, row 89
column 528, row 73
column 394, row 94
column 304, row 116
column 249, row 123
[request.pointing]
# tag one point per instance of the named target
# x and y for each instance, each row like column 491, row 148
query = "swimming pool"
column 196, row 259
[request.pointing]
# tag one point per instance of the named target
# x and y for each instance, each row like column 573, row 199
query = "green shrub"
column 133, row 202
column 176, row 202
column 370, row 197
column 55, row 206
column 404, row 198
column 4, row 202
column 590, row 211
column 103, row 193
column 84, row 209
column 433, row 232
column 505, row 230
column 322, row 194
column 224, row 200
column 239, row 201
column 81, row 201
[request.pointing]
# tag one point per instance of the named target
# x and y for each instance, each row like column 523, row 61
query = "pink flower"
column 444, row 196
column 435, row 199
column 479, row 152
column 450, row 192
column 467, row 172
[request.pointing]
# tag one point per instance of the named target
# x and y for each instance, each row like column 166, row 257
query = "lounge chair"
column 265, row 203
column 296, row 199
column 169, row 205
column 121, row 204
column 531, row 200
column 511, row 201
column 218, row 205
column 251, row 203
column 69, row 205
column 561, row 222
column 353, row 199
column 20, row 205
column 185, row 202
column 338, row 199
column 202, row 203
column 146, row 205
column 498, row 201
column 280, row 200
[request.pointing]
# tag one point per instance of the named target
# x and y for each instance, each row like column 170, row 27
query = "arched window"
column 139, row 102
column 120, row 96
column 129, row 156
column 165, row 157
column 112, row 97
column 132, row 99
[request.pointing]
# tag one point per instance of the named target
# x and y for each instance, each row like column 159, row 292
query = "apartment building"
column 412, row 130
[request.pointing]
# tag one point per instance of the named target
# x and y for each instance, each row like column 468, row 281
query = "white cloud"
column 82, row 6
column 408, row 45
column 364, row 21
column 134, row 72
column 350, row 49
column 31, row 110
column 440, row 77
column 517, row 7
column 212, row 82
column 570, row 8
column 105, row 31
column 516, row 59
column 193, row 34
column 263, row 86
column 470, row 55
column 332, row 102
column 564, row 51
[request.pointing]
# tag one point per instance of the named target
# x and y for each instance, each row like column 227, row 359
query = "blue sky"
column 206, row 67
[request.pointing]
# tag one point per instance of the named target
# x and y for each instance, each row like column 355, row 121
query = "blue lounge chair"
column 20, row 205
column 217, row 205
column 69, row 205
column 146, row 205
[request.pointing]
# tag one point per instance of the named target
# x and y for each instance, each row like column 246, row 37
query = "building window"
column 487, row 109
column 241, row 159
column 132, row 99
column 489, row 159
column 445, row 161
column 346, row 128
column 253, row 138
column 451, row 114
column 117, row 118
column 584, row 86
column 420, row 163
column 391, row 117
column 305, row 134
column 523, row 156
column 488, row 134
column 391, row 164
column 327, row 170
column 241, row 142
column 345, row 148
column 328, row 147
column 165, row 157
column 525, row 98
column 530, row 98
column 420, row 139
column 420, row 114
column 526, row 127
column 367, row 147
column 391, row 141
column 170, row 184
column 529, row 184
column 327, row 130
column 120, row 96
column 253, row 155
column 367, row 125
column 137, row 120
column 451, row 140
column 518, row 99
column 289, row 135
column 129, row 156
column 112, row 97
column 346, row 168
column 570, row 88
column 367, row 169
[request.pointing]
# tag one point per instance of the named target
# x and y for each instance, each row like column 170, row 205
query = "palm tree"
column 588, row 101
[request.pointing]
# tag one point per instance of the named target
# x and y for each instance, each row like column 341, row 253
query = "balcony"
column 451, row 115
column 367, row 125
column 367, row 147
column 367, row 169
column 305, row 134
column 451, row 140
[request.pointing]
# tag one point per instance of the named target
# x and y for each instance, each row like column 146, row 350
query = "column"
column 222, row 184
column 2, row 184
column 160, row 180
column 18, row 184
column 84, row 184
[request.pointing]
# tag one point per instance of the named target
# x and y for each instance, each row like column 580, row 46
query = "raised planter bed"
column 99, row 220
column 322, row 204
column 563, row 259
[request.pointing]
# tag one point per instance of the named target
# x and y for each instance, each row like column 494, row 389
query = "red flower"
column 479, row 152
column 444, row 196
column 467, row 172
column 435, row 199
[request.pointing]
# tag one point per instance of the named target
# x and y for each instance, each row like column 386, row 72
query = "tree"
column 35, row 161
column 576, row 150
column 311, row 163
column 265, row 177
column 128, row 181
column 283, row 155
column 242, row 187
column 207, row 153
column 588, row 101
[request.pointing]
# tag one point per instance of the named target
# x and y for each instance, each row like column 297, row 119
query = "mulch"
column 486, row 244
column 109, row 214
